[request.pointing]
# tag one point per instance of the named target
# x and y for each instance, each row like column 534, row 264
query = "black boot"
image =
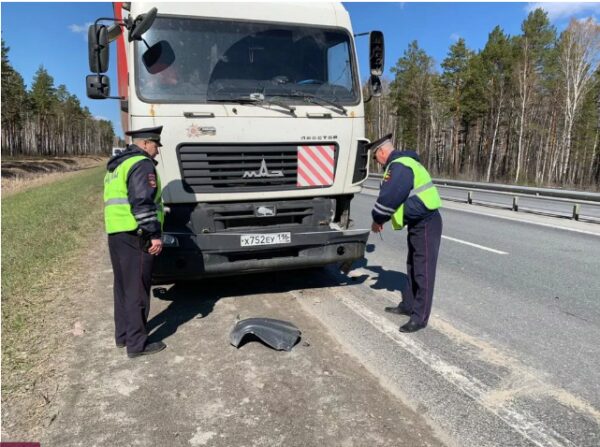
column 398, row 310
column 412, row 326
column 151, row 348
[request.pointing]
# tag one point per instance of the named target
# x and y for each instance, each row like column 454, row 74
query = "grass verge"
column 21, row 174
column 44, row 232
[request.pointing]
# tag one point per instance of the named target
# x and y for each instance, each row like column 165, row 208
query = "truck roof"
column 310, row 13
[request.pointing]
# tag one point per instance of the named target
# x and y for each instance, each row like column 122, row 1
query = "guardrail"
column 553, row 199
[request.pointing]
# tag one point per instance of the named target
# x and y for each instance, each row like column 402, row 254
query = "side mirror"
column 376, row 53
column 98, row 48
column 375, row 86
column 158, row 57
column 97, row 86
column 141, row 24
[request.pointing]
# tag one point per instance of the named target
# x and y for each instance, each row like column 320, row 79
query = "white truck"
column 263, row 128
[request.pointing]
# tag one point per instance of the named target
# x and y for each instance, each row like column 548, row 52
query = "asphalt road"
column 510, row 357
column 553, row 206
column 515, row 329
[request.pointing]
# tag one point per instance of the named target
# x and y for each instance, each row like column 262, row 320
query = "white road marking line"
column 496, row 357
column 460, row 241
column 531, row 428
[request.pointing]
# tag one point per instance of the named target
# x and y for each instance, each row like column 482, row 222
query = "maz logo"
column 262, row 172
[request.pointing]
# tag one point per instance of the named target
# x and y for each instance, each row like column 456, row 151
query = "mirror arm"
column 114, row 19
column 122, row 98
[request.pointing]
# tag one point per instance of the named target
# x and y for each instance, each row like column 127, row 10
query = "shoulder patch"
column 152, row 180
column 387, row 176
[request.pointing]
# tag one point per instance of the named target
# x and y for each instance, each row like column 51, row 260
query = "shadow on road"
column 387, row 279
column 197, row 299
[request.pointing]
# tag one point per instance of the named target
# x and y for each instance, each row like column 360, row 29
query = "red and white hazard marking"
column 316, row 165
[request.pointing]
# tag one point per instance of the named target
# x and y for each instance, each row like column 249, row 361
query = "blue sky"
column 54, row 34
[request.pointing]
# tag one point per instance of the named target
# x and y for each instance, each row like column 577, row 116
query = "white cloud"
column 81, row 29
column 454, row 37
column 564, row 10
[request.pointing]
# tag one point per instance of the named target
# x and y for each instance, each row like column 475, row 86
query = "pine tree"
column 454, row 79
column 48, row 120
column 43, row 101
column 497, row 61
column 410, row 92
column 14, row 98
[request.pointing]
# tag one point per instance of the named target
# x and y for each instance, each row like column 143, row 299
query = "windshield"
column 199, row 60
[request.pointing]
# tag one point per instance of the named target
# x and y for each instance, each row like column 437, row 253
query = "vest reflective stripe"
column 414, row 192
column 116, row 202
column 423, row 188
column 117, row 209
column 139, row 216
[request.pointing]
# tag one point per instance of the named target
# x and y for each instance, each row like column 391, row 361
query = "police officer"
column 408, row 198
column 133, row 216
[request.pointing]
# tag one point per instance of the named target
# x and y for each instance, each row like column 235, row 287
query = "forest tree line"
column 47, row 120
column 524, row 109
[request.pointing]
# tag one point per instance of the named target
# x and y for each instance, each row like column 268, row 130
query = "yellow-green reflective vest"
column 117, row 209
column 423, row 188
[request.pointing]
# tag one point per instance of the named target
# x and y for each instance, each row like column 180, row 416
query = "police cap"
column 375, row 144
column 148, row 133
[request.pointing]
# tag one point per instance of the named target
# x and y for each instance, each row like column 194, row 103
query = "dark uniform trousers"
column 423, row 246
column 132, row 268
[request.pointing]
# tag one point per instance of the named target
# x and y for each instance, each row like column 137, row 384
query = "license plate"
column 251, row 240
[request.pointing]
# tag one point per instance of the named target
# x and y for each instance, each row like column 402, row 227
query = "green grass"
column 44, row 231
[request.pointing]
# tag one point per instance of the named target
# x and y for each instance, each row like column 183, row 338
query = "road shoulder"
column 203, row 391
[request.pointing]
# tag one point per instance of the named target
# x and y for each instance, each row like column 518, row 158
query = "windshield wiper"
column 256, row 98
column 316, row 100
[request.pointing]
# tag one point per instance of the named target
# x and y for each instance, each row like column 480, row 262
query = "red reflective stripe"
column 303, row 176
column 328, row 154
column 312, row 162
column 325, row 161
column 316, row 165
column 303, row 158
column 122, row 70
column 426, row 317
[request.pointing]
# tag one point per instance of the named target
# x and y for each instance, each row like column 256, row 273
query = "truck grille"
column 247, row 168
column 235, row 168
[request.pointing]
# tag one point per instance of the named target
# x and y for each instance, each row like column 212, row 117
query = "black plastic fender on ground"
column 280, row 335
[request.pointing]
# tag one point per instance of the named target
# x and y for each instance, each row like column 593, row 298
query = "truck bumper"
column 221, row 254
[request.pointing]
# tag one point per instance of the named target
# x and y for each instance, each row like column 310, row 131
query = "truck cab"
column 263, row 132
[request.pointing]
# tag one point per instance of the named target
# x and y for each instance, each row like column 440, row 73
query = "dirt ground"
column 21, row 174
column 201, row 390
